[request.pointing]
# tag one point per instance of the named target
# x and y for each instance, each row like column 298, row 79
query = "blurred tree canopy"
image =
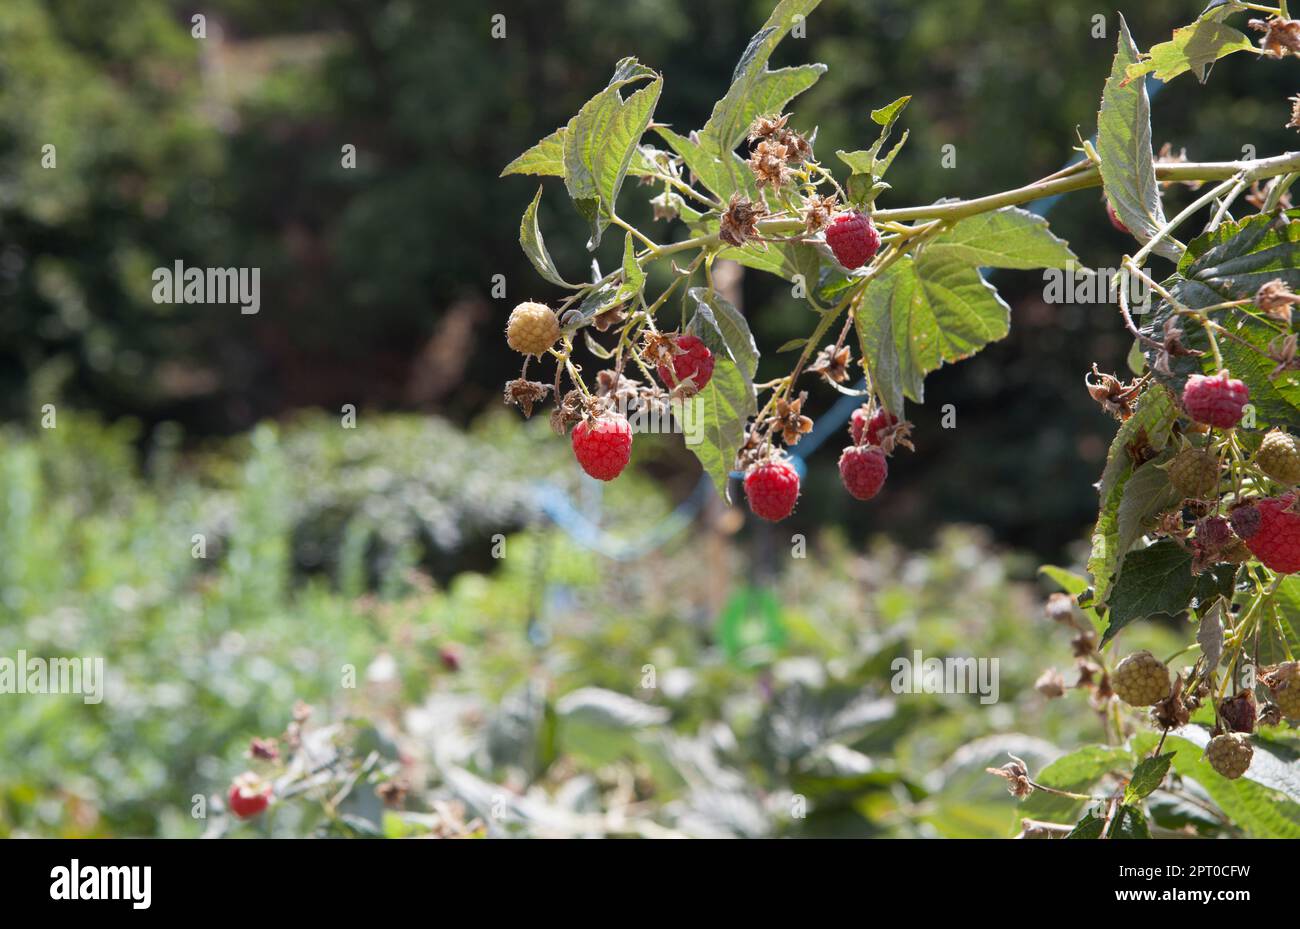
column 227, row 151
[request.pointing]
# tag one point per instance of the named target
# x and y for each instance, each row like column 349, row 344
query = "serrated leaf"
column 1129, row 822
column 792, row 345
column 1146, row 494
column 920, row 314
column 1076, row 773
column 1227, row 264
column 724, row 405
column 887, row 115
column 755, row 91
column 1124, row 144
column 1265, row 801
column 1147, row 776
column 545, row 158
column 601, row 139
column 1149, row 428
column 738, row 341
column 1193, row 48
column 722, row 175
column 1155, row 581
column 534, row 246
column 1006, row 238
column 1090, row 827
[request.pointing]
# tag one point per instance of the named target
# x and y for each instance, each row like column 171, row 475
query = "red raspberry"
column 863, row 470
column 1215, row 401
column 603, row 445
column 695, row 361
column 249, row 795
column 881, row 420
column 853, row 238
column 1271, row 532
column 772, row 489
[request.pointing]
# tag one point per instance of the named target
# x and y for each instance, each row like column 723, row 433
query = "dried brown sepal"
column 1172, row 712
column 568, row 412
column 832, row 363
column 1282, row 352
column 817, row 212
column 768, row 164
column 1016, row 774
column 790, row 420
column 739, row 224
column 1275, row 299
column 1050, row 684
column 524, row 394
column 1281, row 36
column 1112, row 394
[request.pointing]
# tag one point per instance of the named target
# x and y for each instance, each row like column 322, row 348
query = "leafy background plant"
column 368, row 548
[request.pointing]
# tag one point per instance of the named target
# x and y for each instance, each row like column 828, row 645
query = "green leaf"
column 1147, row 429
column 1124, row 144
column 722, row 175
column 1265, row 801
column 633, row 276
column 1090, row 827
column 1155, row 581
column 887, row 115
column 867, row 167
column 738, row 341
column 1146, row 494
column 789, row 260
column 724, row 405
column 755, row 91
column 530, row 237
column 792, row 345
column 1129, row 822
column 600, row 141
column 1193, row 48
column 1147, row 776
column 1006, row 238
column 1230, row 264
column 1076, row 772
column 920, row 314
column 544, row 158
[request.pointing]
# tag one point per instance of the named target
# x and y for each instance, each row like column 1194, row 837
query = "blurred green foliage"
column 204, row 653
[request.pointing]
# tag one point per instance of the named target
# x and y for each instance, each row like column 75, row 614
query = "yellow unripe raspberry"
column 533, row 328
column 1141, row 679
column 1230, row 754
column 1279, row 457
column 1284, row 684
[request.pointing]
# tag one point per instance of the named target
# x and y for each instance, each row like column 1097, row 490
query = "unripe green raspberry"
column 533, row 328
column 1194, row 472
column 1279, row 457
column 1230, row 754
column 1141, row 679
